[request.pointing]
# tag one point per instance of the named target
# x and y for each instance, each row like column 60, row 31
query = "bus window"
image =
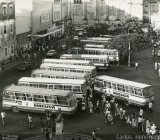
column 50, row 86
column 138, row 92
column 146, row 92
column 38, row 98
column 99, row 84
column 9, row 95
column 126, row 88
column 20, row 96
column 107, row 84
column 50, row 99
column 61, row 100
column 67, row 87
column 29, row 97
column 114, row 86
column 120, row 87
column 59, row 87
column 131, row 90
column 43, row 86
column 76, row 88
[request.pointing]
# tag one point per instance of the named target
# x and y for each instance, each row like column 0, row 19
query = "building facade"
column 23, row 23
column 7, row 30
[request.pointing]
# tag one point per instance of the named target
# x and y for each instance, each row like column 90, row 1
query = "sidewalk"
column 10, row 65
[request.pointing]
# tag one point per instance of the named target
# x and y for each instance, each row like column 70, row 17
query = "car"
column 26, row 65
column 76, row 38
column 51, row 53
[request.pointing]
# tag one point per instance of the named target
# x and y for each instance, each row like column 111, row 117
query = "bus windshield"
column 147, row 92
column 71, row 100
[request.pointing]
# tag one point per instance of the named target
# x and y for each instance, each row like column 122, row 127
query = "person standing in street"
column 136, row 66
column 159, row 72
column 150, row 105
column 30, row 121
column 3, row 116
column 155, row 65
column 93, row 135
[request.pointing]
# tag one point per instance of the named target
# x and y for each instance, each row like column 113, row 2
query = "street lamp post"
column 129, row 52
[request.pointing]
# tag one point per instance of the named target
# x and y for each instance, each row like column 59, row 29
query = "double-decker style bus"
column 70, row 68
column 79, row 87
column 100, row 61
column 68, row 62
column 94, row 46
column 131, row 92
column 62, row 75
column 24, row 98
column 112, row 54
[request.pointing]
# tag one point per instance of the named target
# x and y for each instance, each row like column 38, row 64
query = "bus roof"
column 50, row 80
column 84, row 56
column 65, row 61
column 101, row 41
column 99, row 38
column 100, row 49
column 91, row 45
column 34, row 90
column 67, row 66
column 123, row 81
column 59, row 73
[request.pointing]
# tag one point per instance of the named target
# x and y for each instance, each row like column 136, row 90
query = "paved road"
column 83, row 122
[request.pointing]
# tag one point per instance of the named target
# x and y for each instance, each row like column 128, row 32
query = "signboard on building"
column 44, row 18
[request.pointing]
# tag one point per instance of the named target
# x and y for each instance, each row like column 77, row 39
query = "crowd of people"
column 113, row 110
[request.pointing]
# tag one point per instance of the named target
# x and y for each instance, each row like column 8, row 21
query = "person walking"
column 30, row 121
column 136, row 66
column 90, row 107
column 94, row 135
column 141, row 112
column 42, row 124
column 103, row 103
column 140, row 123
column 3, row 116
column 150, row 105
column 159, row 72
column 97, row 108
column 155, row 65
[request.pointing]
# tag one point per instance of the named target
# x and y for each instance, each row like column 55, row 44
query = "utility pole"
column 61, row 20
column 129, row 52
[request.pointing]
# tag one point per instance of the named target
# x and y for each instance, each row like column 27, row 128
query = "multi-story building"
column 7, row 30
column 23, row 23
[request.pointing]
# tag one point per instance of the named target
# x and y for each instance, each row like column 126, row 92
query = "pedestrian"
column 140, row 123
column 116, row 107
column 97, row 108
column 153, row 53
column 150, row 105
column 121, row 113
column 128, row 119
column 155, row 65
column 47, row 133
column 148, row 125
column 42, row 124
column 103, row 103
column 83, row 105
column 110, row 118
column 3, row 116
column 136, row 66
column 141, row 112
column 94, row 135
column 30, row 121
column 143, row 124
column 35, row 55
column 153, row 129
column 159, row 72
column 90, row 107
column 106, row 115
column 107, row 105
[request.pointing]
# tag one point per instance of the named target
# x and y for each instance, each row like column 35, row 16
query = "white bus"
column 107, row 36
column 62, row 75
column 23, row 98
column 100, row 61
column 70, row 68
column 131, row 92
column 79, row 87
column 69, row 62
column 99, row 39
column 96, row 42
column 94, row 46
column 112, row 54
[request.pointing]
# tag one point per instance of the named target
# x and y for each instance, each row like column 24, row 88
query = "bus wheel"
column 126, row 103
column 15, row 109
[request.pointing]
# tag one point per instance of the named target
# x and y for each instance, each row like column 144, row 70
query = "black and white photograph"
column 80, row 69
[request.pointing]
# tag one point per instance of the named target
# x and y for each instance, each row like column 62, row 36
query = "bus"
column 107, row 36
column 130, row 92
column 62, row 75
column 79, row 87
column 99, row 39
column 23, row 98
column 95, row 42
column 70, row 68
column 100, row 61
column 94, row 46
column 112, row 54
column 68, row 62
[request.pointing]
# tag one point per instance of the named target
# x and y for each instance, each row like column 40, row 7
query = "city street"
column 82, row 122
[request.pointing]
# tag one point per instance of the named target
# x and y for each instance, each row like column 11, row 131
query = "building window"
column 5, row 30
column 11, row 26
column 5, row 51
column 11, row 10
column 4, row 11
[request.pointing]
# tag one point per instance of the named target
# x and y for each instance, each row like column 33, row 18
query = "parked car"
column 51, row 53
column 26, row 65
